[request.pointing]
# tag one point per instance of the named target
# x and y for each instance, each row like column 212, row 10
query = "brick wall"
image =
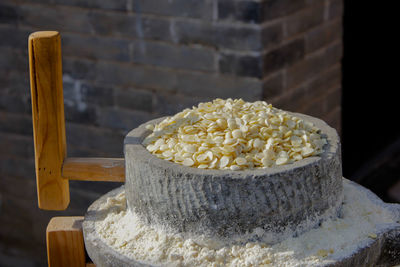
column 127, row 61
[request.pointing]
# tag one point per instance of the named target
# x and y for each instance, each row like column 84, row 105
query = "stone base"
column 381, row 251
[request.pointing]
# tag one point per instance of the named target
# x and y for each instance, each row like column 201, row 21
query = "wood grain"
column 65, row 245
column 48, row 119
column 94, row 169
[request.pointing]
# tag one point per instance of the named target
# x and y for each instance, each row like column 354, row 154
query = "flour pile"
column 333, row 240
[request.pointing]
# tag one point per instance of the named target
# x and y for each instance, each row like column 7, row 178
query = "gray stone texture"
column 381, row 251
column 224, row 203
column 196, row 50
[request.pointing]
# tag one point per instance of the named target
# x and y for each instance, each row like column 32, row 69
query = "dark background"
column 370, row 102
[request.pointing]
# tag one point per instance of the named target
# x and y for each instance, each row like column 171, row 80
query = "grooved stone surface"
column 384, row 250
column 283, row 201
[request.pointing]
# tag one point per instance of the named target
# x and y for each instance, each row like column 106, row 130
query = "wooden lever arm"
column 94, row 169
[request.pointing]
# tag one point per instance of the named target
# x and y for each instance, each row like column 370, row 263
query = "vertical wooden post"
column 65, row 246
column 48, row 119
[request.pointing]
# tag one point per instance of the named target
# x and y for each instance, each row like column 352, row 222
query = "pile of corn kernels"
column 235, row 135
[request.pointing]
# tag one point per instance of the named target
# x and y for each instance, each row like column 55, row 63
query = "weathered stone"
column 222, row 203
column 382, row 251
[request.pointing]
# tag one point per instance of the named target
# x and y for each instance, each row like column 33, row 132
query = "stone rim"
column 136, row 136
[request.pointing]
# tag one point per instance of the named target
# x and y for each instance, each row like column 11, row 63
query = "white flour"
column 335, row 239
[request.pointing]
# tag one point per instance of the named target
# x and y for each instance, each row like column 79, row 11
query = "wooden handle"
column 48, row 119
column 65, row 245
column 94, row 169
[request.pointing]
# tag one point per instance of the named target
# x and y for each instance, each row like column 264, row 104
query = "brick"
column 98, row 95
column 323, row 35
column 324, row 81
column 15, row 83
column 128, row 25
column 95, row 187
column 152, row 28
column 279, row 8
column 241, row 65
column 333, row 99
column 105, row 23
column 81, row 199
column 19, row 187
column 20, row 145
column 172, row 56
column 334, row 119
column 120, row 5
column 11, row 166
column 334, row 53
column 272, row 86
column 8, row 14
column 60, row 18
column 16, row 123
column 87, row 115
column 95, row 138
column 134, row 99
column 13, row 229
column 293, row 100
column 16, row 38
column 17, row 261
column 108, row 73
column 78, row 68
column 305, row 69
column 335, row 9
column 135, row 75
column 305, row 19
column 245, row 11
column 170, row 104
column 14, row 59
column 14, row 103
column 271, row 35
column 314, row 64
column 122, row 119
column 77, row 99
column 79, row 151
column 92, row 47
column 284, row 55
column 205, row 85
column 237, row 37
column 176, row 8
column 314, row 108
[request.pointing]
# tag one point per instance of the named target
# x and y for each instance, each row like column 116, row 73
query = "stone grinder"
column 229, row 205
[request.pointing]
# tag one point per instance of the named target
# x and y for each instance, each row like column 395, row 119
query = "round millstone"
column 281, row 201
column 381, row 251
